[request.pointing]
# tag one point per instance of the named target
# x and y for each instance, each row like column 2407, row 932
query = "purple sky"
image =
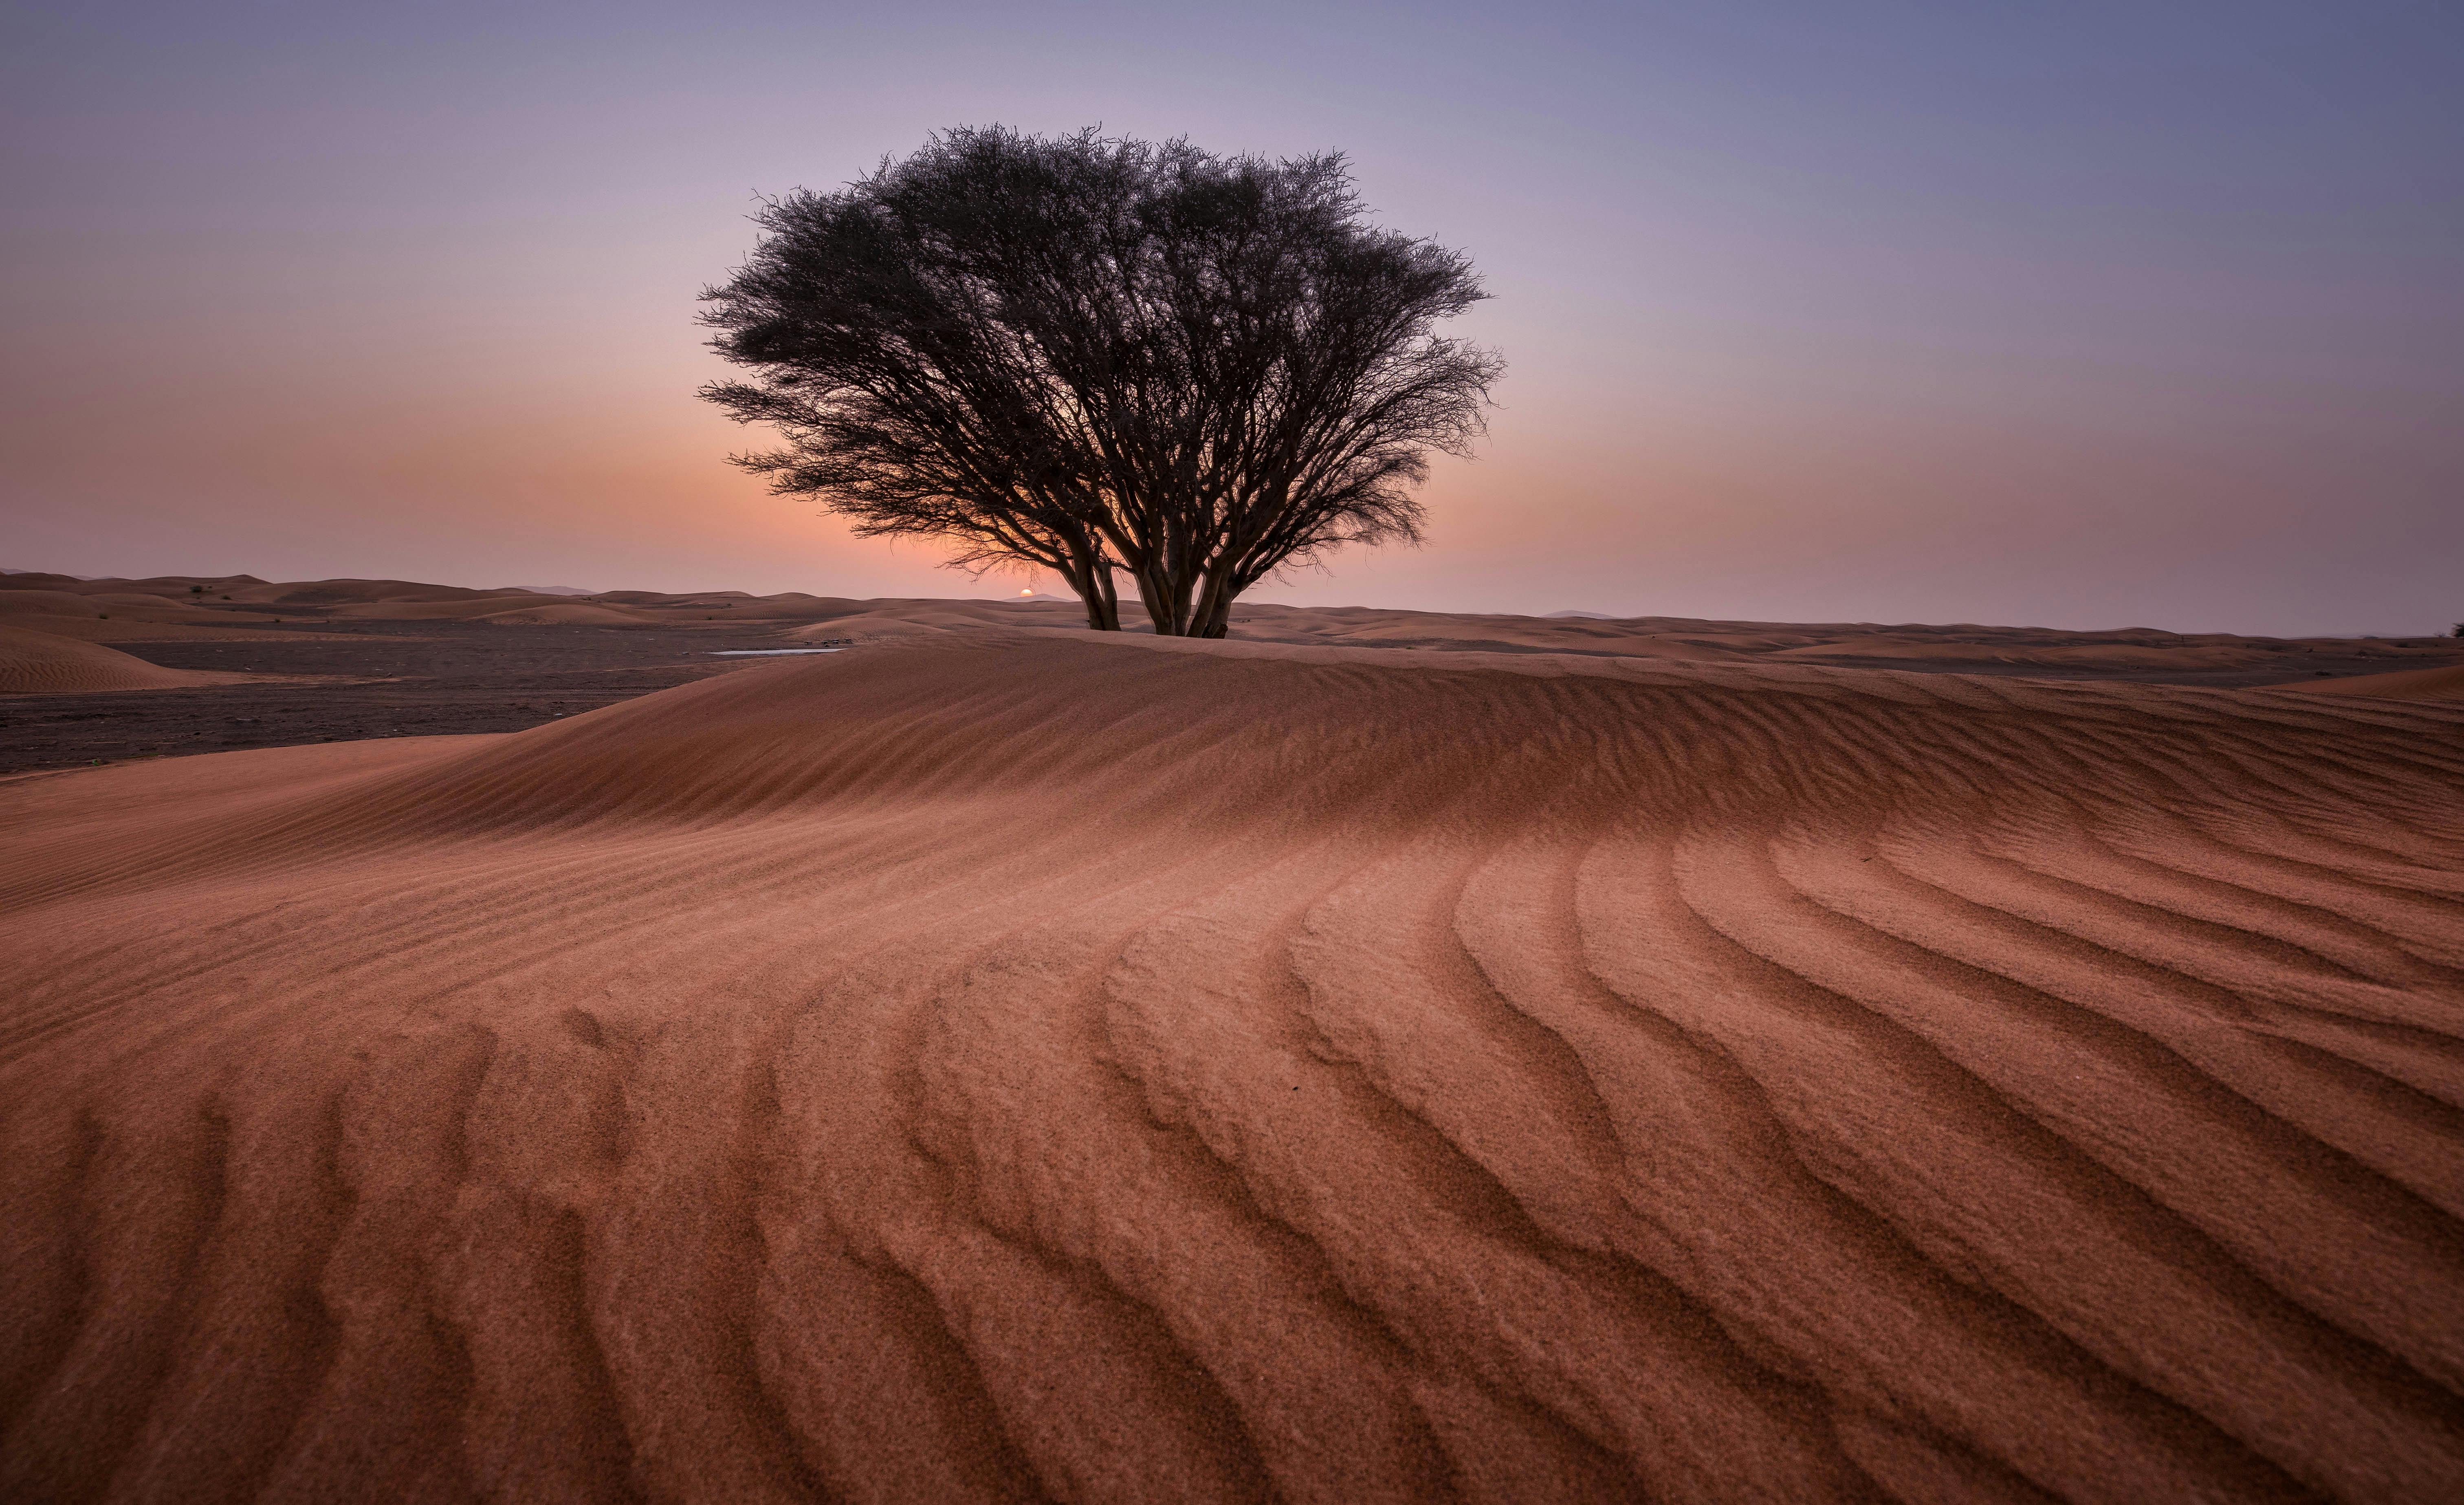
column 2094, row 316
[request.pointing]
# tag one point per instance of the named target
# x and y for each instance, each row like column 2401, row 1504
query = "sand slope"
column 1015, row 1066
column 199, row 608
column 117, row 628
column 42, row 663
column 570, row 614
column 105, row 616
column 118, row 605
column 2120, row 649
column 2404, row 684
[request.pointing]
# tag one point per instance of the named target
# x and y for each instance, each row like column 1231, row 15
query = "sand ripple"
column 45, row 663
column 1016, row 1067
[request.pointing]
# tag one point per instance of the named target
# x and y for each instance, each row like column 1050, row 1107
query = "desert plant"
column 1089, row 354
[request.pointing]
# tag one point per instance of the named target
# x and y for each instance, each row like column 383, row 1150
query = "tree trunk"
column 1093, row 584
column 1214, row 616
column 1166, row 596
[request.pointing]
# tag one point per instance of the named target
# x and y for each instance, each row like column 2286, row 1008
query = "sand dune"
column 2120, row 650
column 567, row 614
column 42, row 663
column 868, row 619
column 2124, row 651
column 123, row 629
column 453, row 609
column 2404, row 684
column 354, row 593
column 46, row 603
column 130, row 606
column 1014, row 1066
column 118, row 616
column 2146, row 652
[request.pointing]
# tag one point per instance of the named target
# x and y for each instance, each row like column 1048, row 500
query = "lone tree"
column 1099, row 355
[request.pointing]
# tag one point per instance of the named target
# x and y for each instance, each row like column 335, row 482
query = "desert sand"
column 1003, row 1064
column 202, row 608
column 109, row 611
column 347, row 659
column 2404, row 684
column 45, row 663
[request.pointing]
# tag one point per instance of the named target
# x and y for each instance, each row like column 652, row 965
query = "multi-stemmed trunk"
column 1215, row 616
column 1092, row 581
column 1165, row 585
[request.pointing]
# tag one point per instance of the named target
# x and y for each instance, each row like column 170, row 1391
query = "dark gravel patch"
column 375, row 679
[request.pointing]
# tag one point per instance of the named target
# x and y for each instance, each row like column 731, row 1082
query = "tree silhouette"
column 1099, row 355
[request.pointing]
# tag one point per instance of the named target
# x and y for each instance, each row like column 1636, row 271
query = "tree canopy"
column 1098, row 355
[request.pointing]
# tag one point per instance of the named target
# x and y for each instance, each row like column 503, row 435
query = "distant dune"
column 185, row 607
column 44, row 663
column 564, row 614
column 2408, row 684
column 101, row 615
column 451, row 609
column 1002, row 1065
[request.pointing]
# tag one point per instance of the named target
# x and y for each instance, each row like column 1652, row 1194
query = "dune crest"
column 1015, row 1066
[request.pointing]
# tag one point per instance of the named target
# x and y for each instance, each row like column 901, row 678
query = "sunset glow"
column 2086, row 318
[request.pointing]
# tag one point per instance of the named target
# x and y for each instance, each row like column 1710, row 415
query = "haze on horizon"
column 2121, row 315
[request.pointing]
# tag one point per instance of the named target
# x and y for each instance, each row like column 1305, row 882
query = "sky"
column 2085, row 316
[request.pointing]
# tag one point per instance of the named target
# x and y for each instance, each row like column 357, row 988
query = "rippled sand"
column 1015, row 1066
column 45, row 663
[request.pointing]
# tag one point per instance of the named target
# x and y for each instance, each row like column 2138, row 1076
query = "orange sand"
column 118, row 616
column 168, row 608
column 2404, row 684
column 563, row 614
column 44, row 663
column 1015, row 1065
